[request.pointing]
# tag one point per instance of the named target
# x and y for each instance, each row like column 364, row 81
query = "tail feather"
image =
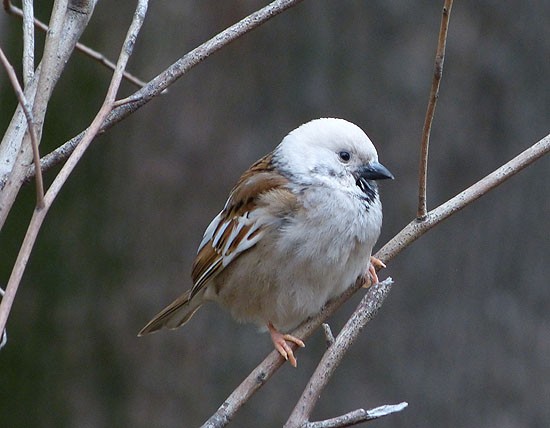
column 174, row 315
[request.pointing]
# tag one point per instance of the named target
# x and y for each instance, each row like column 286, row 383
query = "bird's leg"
column 373, row 277
column 280, row 341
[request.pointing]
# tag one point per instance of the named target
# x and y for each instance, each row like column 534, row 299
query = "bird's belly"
column 285, row 288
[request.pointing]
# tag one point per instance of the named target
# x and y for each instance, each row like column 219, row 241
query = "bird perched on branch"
column 297, row 230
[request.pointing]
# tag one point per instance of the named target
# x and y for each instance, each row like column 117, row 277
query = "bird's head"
column 332, row 152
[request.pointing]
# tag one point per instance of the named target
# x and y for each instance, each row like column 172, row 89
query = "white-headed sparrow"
column 297, row 230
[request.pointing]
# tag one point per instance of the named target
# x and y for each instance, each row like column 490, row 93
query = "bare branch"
column 329, row 337
column 30, row 126
column 365, row 311
column 357, row 416
column 95, row 55
column 68, row 23
column 99, row 57
column 170, row 75
column 28, row 42
column 434, row 94
column 59, row 181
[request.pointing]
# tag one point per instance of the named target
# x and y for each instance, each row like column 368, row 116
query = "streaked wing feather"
column 232, row 231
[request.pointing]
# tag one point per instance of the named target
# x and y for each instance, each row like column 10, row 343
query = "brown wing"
column 230, row 234
column 232, row 231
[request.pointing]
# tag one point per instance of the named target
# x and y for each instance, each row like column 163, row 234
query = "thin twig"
column 170, row 75
column 28, row 42
column 357, row 416
column 30, row 126
column 59, row 181
column 329, row 337
column 259, row 376
column 99, row 57
column 95, row 55
column 365, row 311
column 430, row 112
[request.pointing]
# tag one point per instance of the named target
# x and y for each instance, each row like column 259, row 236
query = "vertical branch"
column 30, row 124
column 49, row 59
column 39, row 214
column 434, row 94
column 69, row 19
column 28, row 42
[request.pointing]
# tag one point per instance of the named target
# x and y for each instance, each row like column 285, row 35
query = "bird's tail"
column 175, row 314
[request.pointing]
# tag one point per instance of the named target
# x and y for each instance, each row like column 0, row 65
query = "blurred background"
column 464, row 336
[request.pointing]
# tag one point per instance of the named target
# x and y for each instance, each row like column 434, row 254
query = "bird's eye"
column 344, row 156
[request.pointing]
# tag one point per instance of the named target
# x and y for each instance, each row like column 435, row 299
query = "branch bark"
column 30, row 125
column 28, row 41
column 357, row 416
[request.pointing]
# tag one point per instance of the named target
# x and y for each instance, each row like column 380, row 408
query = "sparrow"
column 296, row 231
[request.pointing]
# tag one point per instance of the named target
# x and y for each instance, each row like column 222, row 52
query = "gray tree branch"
column 365, row 311
column 67, row 24
column 357, row 416
column 24, row 104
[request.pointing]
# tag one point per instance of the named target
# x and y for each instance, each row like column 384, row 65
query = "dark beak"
column 374, row 171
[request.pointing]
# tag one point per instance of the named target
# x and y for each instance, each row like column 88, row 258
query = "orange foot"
column 373, row 277
column 280, row 341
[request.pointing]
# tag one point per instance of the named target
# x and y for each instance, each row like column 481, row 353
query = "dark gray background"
column 464, row 337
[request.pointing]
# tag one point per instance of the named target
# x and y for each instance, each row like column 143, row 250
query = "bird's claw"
column 281, row 343
column 373, row 277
